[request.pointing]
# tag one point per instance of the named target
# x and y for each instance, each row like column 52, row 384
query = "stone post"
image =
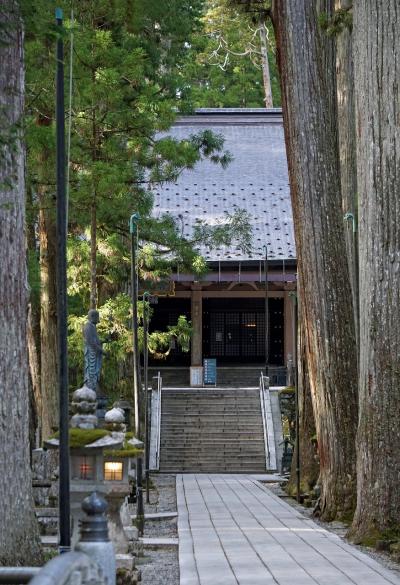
column 94, row 540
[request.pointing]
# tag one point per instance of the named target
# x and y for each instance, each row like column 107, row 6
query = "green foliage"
column 128, row 60
column 224, row 64
column 115, row 328
column 336, row 23
column 236, row 226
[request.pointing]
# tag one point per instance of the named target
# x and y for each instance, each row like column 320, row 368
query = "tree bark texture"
column 377, row 74
column 19, row 536
column 48, row 317
column 309, row 468
column 306, row 58
column 347, row 152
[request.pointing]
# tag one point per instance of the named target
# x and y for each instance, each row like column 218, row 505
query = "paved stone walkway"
column 234, row 531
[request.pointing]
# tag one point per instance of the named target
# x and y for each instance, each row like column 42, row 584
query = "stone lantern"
column 101, row 460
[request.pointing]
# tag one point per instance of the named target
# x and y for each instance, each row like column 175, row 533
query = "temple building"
column 227, row 307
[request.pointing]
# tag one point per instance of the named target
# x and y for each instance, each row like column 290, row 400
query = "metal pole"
column 62, row 348
column 266, row 312
column 146, row 392
column 136, row 371
column 136, row 390
column 296, row 389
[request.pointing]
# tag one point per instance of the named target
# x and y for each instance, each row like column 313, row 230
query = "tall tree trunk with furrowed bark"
column 306, row 59
column 377, row 75
column 347, row 151
column 309, row 468
column 19, row 535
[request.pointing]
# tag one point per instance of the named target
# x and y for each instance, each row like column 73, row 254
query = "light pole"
column 62, row 346
column 266, row 312
column 146, row 392
column 133, row 228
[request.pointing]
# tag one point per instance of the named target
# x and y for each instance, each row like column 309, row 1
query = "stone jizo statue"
column 93, row 350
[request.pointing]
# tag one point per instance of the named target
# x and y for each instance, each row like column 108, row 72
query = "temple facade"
column 241, row 311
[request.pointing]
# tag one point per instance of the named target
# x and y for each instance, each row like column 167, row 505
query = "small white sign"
column 196, row 376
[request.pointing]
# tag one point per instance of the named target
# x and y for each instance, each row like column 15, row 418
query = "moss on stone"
column 370, row 538
column 287, row 390
column 127, row 451
column 82, row 437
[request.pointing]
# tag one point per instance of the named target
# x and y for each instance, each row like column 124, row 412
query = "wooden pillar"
column 288, row 326
column 197, row 324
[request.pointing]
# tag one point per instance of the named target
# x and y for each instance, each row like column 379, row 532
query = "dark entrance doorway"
column 234, row 330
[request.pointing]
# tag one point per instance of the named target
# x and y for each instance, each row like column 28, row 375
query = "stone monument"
column 93, row 351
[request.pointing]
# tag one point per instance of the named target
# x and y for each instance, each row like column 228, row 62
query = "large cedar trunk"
column 377, row 74
column 347, row 151
column 48, row 320
column 19, row 536
column 306, row 58
column 309, row 468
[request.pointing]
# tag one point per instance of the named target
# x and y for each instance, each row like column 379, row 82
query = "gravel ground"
column 336, row 527
column 161, row 566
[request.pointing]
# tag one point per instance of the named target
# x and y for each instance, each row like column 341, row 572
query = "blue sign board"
column 210, row 371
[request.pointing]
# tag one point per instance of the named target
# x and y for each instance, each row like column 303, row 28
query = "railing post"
column 94, row 540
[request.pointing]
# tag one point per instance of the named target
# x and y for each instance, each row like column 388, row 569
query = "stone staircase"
column 216, row 430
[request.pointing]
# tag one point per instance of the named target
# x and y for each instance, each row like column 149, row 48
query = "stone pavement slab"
column 159, row 542
column 234, row 531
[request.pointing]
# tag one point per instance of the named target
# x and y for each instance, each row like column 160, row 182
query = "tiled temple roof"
column 256, row 180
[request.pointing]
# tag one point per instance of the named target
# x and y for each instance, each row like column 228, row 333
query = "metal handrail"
column 264, row 418
column 61, row 570
column 64, row 569
column 159, row 395
column 17, row 575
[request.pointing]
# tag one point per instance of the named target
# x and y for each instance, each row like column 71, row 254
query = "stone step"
column 202, row 422
column 226, row 376
column 222, row 407
column 157, row 542
column 209, row 398
column 223, row 427
column 206, row 410
column 211, row 416
column 222, row 445
column 212, row 430
column 226, row 460
column 207, row 454
column 210, row 395
column 213, row 469
column 212, row 439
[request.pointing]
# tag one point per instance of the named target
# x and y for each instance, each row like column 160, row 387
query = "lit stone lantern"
column 101, row 460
